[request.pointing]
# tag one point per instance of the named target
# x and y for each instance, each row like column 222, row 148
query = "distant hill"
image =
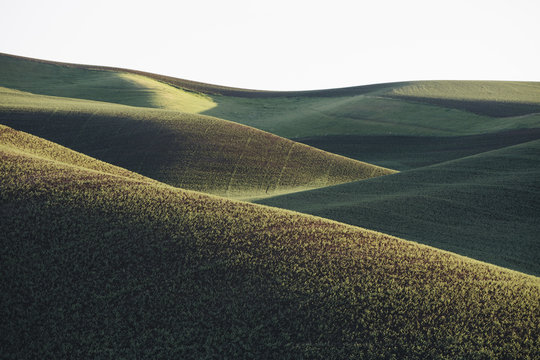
column 484, row 206
column 99, row 262
column 393, row 114
column 14, row 66
column 186, row 150
column 409, row 152
column 491, row 98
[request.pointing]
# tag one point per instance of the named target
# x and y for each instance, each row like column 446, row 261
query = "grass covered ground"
column 425, row 112
column 364, row 114
column 493, row 98
column 380, row 109
column 484, row 206
column 187, row 150
column 410, row 152
column 95, row 264
column 120, row 87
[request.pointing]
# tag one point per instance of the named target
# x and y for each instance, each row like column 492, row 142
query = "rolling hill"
column 492, row 98
column 402, row 152
column 484, row 206
column 120, row 87
column 99, row 262
column 341, row 121
column 186, row 150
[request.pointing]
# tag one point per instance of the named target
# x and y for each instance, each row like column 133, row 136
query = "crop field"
column 126, row 231
column 492, row 98
column 100, row 85
column 410, row 152
column 493, row 197
column 115, row 266
column 187, row 150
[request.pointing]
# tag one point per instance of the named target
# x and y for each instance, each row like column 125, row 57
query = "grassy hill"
column 409, row 152
column 121, row 87
column 392, row 115
column 388, row 129
column 97, row 264
column 492, row 98
column 30, row 67
column 484, row 206
column 27, row 145
column 187, row 150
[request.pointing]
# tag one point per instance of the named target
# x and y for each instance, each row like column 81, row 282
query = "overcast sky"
column 284, row 45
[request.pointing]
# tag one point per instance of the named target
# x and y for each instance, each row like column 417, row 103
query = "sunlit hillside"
column 187, row 150
column 101, row 263
column 485, row 206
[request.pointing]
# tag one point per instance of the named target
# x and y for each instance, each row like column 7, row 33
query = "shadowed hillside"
column 492, row 98
column 426, row 112
column 187, row 150
column 410, row 152
column 484, row 206
column 113, row 266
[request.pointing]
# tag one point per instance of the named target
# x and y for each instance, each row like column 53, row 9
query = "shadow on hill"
column 192, row 151
column 489, row 108
column 69, row 81
column 137, row 145
column 132, row 270
column 484, row 206
column 409, row 152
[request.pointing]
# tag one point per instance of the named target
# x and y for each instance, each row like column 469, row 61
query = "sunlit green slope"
column 119, row 87
column 187, row 150
column 99, row 265
column 492, row 98
column 484, row 206
column 32, row 146
column 392, row 115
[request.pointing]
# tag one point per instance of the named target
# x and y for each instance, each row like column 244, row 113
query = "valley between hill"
column 123, row 235
column 115, row 264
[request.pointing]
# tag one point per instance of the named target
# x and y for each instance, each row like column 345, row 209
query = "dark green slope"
column 101, row 263
column 398, row 125
column 484, row 206
column 13, row 66
column 190, row 151
column 409, row 152
column 48, row 78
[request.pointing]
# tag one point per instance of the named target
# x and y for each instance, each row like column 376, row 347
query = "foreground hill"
column 484, row 206
column 187, row 150
column 96, row 264
column 33, row 146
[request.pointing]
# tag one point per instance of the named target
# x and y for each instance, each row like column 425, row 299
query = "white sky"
column 284, row 45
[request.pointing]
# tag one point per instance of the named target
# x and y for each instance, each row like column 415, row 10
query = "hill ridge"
column 217, row 89
column 118, row 267
column 186, row 150
column 492, row 196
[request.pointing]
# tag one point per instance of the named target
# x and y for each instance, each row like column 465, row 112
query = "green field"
column 394, row 114
column 492, row 98
column 99, row 85
column 115, row 245
column 191, row 151
column 410, row 152
column 117, row 266
column 493, row 198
